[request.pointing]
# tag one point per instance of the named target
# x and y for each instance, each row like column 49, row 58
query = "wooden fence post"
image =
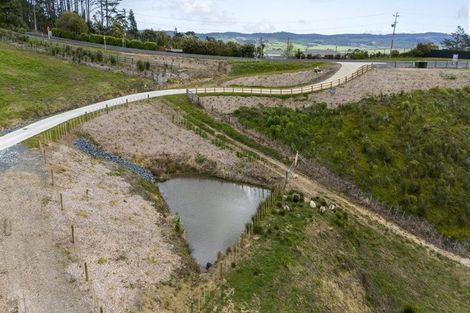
column 73, row 233
column 86, row 272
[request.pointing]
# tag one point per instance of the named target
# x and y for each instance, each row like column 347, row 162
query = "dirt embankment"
column 286, row 79
column 374, row 83
column 149, row 135
column 194, row 68
column 129, row 246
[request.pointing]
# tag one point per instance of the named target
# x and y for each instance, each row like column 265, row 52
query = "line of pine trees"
column 39, row 14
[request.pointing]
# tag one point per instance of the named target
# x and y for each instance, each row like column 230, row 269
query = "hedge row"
column 112, row 41
column 14, row 36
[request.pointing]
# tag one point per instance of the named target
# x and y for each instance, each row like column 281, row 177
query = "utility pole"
column 261, row 48
column 124, row 24
column 34, row 14
column 394, row 25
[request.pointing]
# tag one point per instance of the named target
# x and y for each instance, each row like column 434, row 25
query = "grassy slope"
column 410, row 150
column 307, row 262
column 256, row 67
column 34, row 85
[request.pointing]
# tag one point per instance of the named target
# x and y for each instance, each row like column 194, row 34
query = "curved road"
column 347, row 70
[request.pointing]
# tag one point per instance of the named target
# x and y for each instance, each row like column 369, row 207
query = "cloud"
column 196, row 6
column 463, row 12
column 260, row 28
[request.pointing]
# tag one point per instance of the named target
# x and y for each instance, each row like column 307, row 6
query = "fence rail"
column 284, row 91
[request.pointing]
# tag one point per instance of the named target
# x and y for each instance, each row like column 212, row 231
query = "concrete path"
column 344, row 74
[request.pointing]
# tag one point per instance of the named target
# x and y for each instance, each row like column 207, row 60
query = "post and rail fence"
column 284, row 91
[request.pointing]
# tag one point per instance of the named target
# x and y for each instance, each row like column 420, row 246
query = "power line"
column 207, row 20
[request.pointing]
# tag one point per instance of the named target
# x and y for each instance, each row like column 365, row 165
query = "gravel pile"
column 86, row 146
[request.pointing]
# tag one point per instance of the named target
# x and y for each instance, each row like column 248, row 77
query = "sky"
column 300, row 16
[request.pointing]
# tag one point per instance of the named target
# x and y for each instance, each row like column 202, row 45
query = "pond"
column 213, row 212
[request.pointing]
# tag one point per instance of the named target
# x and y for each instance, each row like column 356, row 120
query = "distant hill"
column 402, row 41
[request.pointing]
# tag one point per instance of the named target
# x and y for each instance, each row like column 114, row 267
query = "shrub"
column 136, row 44
column 113, row 41
column 101, row 261
column 56, row 32
column 140, row 66
column 147, row 65
column 112, row 60
column 150, row 46
column 84, row 37
column 72, row 22
column 67, row 34
column 99, row 56
column 96, row 38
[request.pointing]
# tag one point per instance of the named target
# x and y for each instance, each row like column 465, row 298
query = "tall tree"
column 107, row 9
column 459, row 41
column 11, row 14
column 133, row 31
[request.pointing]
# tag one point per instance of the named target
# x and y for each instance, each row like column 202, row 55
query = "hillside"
column 407, row 154
column 34, row 85
column 402, row 41
column 303, row 261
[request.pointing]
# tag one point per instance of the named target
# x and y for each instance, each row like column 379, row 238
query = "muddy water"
column 213, row 212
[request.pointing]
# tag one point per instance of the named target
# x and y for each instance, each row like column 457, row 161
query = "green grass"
column 34, row 85
column 307, row 262
column 255, row 67
column 409, row 150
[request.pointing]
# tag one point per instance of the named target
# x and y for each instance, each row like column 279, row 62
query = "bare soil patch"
column 119, row 234
column 149, row 135
column 129, row 245
column 374, row 83
column 32, row 265
column 194, row 67
column 285, row 79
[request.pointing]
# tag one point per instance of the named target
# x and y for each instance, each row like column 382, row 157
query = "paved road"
column 20, row 135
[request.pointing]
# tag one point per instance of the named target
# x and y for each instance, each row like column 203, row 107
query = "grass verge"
column 304, row 261
column 255, row 67
column 34, row 85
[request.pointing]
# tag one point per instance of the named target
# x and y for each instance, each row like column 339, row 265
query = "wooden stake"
column 52, row 177
column 101, row 309
column 61, row 202
column 199, row 301
column 73, row 233
column 86, row 272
